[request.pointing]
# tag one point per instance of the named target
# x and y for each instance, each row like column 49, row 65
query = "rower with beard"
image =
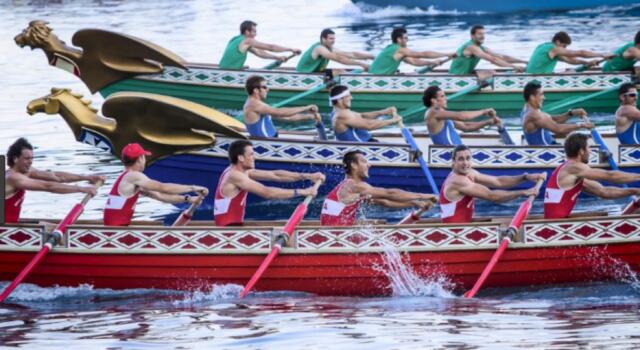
column 544, row 58
column 537, row 125
column 258, row 113
column 571, row 177
column 340, row 207
column 22, row 177
column 353, row 126
column 317, row 57
column 471, row 52
column 235, row 54
column 464, row 184
column 389, row 59
column 241, row 178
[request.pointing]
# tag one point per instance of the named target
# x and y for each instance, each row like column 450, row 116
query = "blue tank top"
column 539, row 137
column 263, row 127
column 448, row 136
column 352, row 134
column 631, row 136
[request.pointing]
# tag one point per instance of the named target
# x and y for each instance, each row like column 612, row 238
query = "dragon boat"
column 189, row 143
column 109, row 62
column 324, row 260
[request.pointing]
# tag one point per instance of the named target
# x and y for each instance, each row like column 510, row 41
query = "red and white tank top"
column 13, row 205
column 228, row 211
column 336, row 213
column 119, row 210
column 460, row 211
column 559, row 202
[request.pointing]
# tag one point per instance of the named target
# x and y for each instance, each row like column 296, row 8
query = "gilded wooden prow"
column 106, row 57
column 163, row 125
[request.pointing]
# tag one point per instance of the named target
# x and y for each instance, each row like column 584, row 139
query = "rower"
column 571, row 177
column 465, row 183
column 628, row 115
column 241, row 178
column 258, row 114
column 624, row 57
column 389, row 59
column 537, row 125
column 470, row 53
column 235, row 54
column 546, row 55
column 341, row 205
column 353, row 126
column 22, row 177
column 442, row 124
column 118, row 210
column 317, row 57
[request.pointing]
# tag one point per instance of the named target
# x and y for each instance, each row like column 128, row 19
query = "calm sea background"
column 425, row 316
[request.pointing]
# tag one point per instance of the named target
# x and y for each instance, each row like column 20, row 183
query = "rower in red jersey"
column 241, row 178
column 132, row 182
column 465, row 183
column 575, row 175
column 341, row 205
column 22, row 177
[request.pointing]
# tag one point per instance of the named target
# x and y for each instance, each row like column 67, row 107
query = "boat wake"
column 363, row 10
column 618, row 270
column 32, row 293
column 605, row 9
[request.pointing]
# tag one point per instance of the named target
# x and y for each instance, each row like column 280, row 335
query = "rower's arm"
column 423, row 54
column 147, row 185
column 506, row 58
column 283, row 112
column 586, row 172
column 498, row 196
column 426, row 205
column 26, row 183
column 392, row 194
column 610, row 192
column 632, row 52
column 283, row 176
column 460, row 116
column 263, row 54
column 167, row 198
column 573, row 60
column 472, row 126
column 355, row 54
column 507, row 181
column 562, row 52
column 250, row 185
column 269, row 47
column 495, row 59
column 340, row 57
column 61, row 176
column 631, row 113
column 375, row 114
column 553, row 123
column 367, row 124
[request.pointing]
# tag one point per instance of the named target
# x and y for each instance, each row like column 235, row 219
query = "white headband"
column 345, row 93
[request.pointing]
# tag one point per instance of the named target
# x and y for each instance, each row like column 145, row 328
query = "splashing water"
column 216, row 293
column 607, row 265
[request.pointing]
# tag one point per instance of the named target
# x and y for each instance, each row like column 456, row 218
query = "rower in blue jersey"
column 538, row 126
column 442, row 124
column 258, row 114
column 628, row 115
column 353, row 126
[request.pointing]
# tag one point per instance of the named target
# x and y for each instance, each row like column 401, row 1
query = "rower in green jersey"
column 317, row 57
column 235, row 54
column 470, row 53
column 624, row 57
column 546, row 55
column 389, row 59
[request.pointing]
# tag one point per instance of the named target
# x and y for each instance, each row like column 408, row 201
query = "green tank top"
column 232, row 57
column 308, row 64
column 384, row 64
column 619, row 63
column 540, row 63
column 462, row 65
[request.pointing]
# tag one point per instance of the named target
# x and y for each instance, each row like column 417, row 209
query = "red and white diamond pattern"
column 560, row 82
column 582, row 232
column 507, row 156
column 18, row 238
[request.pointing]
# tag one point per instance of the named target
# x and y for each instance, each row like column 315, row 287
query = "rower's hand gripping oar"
column 516, row 222
column 281, row 240
column 275, row 64
column 54, row 238
column 322, row 132
column 413, row 216
column 428, row 69
column 187, row 214
column 634, row 204
column 408, row 137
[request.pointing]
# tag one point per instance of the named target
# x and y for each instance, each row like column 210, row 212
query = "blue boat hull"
column 496, row 5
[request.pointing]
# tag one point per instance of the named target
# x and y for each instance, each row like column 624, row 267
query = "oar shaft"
column 276, row 64
column 406, row 133
column 299, row 96
column 487, row 270
column 57, row 233
column 289, row 227
column 187, row 214
column 430, row 68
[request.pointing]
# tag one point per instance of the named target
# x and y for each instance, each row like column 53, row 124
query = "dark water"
column 424, row 314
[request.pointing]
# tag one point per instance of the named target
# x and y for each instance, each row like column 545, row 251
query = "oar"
column 428, row 69
column 275, row 64
column 186, row 215
column 281, row 240
column 597, row 138
column 408, row 137
column 301, row 95
column 53, row 239
column 584, row 67
column 572, row 101
column 516, row 222
column 412, row 217
column 322, row 132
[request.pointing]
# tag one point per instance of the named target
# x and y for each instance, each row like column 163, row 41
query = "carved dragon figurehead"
column 164, row 125
column 106, row 57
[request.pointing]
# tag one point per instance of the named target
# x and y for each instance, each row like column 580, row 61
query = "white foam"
column 602, row 9
column 31, row 292
column 367, row 11
column 216, row 293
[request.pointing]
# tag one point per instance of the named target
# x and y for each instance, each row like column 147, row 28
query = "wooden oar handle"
column 88, row 196
column 308, row 198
